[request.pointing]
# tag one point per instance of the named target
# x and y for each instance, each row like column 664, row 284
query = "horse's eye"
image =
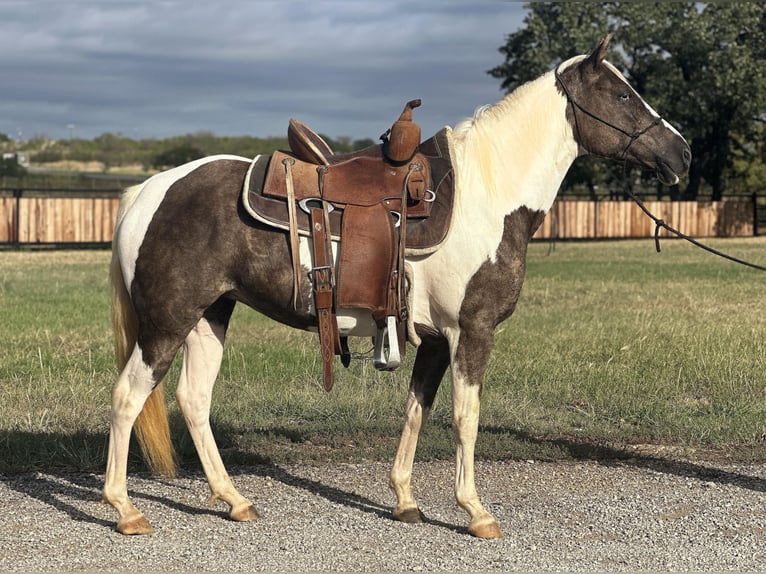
column 624, row 97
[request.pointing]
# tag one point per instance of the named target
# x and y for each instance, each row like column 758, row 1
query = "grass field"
column 614, row 351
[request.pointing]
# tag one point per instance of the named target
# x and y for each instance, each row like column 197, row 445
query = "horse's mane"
column 510, row 103
column 503, row 141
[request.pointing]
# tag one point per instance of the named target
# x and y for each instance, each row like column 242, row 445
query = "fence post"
column 17, row 217
column 754, row 198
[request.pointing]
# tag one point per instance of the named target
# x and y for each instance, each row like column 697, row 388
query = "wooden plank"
column 7, row 216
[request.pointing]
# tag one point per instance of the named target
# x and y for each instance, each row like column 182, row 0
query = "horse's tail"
column 151, row 428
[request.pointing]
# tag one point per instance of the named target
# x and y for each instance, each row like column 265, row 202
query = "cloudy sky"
column 153, row 69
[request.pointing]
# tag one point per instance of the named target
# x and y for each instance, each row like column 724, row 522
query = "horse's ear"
column 599, row 52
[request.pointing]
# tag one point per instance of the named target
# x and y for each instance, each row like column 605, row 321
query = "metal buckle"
column 304, row 204
column 320, row 268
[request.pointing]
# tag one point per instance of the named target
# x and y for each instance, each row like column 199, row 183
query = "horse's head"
column 609, row 118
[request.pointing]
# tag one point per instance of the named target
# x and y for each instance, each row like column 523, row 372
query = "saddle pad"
column 423, row 235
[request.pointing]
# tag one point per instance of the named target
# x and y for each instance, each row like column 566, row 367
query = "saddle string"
column 293, row 223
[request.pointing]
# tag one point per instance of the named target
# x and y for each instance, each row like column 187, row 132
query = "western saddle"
column 364, row 199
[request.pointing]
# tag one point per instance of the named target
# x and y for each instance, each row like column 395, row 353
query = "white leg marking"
column 400, row 479
column 203, row 351
column 129, row 393
column 465, row 404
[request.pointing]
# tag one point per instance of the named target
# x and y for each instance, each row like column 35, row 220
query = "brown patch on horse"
column 201, row 213
column 501, row 280
column 431, row 362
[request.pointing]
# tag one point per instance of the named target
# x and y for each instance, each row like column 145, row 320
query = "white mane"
column 519, row 148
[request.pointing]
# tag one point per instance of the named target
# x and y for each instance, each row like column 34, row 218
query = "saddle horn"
column 401, row 142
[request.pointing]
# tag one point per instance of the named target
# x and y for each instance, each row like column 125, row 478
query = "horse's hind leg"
column 203, row 352
column 431, row 363
column 129, row 394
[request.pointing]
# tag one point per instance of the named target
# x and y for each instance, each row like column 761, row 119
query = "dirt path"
column 585, row 516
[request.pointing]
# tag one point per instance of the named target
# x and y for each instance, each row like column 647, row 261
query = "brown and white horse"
column 185, row 251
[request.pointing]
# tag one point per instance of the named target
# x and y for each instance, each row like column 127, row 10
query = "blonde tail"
column 151, row 428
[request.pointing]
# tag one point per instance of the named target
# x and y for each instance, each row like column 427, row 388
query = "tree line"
column 156, row 154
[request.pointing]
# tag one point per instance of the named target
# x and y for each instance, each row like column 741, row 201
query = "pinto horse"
column 185, row 252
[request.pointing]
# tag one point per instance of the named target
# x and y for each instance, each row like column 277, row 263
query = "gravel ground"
column 644, row 514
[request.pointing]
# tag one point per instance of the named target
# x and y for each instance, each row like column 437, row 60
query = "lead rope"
column 660, row 224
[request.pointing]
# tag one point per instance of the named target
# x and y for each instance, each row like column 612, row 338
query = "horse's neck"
column 515, row 153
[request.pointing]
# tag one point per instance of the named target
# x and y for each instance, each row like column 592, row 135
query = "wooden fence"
column 30, row 217
column 576, row 219
column 38, row 218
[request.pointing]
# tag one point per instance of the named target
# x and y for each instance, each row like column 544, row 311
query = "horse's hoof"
column 410, row 516
column 485, row 530
column 244, row 514
column 135, row 525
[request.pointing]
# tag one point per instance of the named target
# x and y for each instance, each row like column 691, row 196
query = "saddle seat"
column 364, row 200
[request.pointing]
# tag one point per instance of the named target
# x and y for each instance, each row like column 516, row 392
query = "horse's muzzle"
column 669, row 168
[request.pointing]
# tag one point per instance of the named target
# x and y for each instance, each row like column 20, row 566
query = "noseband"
column 633, row 136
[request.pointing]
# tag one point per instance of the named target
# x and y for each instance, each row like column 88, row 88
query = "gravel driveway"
column 644, row 514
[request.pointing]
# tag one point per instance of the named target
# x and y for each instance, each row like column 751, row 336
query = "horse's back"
column 186, row 241
column 148, row 211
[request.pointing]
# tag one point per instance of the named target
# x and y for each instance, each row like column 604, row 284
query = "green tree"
column 9, row 167
column 114, row 149
column 701, row 65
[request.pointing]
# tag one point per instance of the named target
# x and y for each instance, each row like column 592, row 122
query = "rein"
column 633, row 136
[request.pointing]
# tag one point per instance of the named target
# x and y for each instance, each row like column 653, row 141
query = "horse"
column 185, row 252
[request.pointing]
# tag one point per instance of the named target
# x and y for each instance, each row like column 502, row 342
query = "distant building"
column 21, row 157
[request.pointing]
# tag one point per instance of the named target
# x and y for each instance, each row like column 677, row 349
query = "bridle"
column 632, row 136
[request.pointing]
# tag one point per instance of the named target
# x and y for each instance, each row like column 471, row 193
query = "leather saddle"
column 381, row 203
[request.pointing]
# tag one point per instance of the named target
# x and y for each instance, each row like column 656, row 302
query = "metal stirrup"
column 386, row 355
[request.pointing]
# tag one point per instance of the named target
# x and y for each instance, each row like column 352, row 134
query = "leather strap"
column 329, row 339
column 293, row 225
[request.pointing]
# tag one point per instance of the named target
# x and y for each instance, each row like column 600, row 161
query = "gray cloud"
column 157, row 69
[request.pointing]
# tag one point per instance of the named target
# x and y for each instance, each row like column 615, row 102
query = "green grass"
column 614, row 351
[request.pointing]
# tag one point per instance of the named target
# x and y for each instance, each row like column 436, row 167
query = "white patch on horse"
column 509, row 158
column 131, row 229
column 672, row 129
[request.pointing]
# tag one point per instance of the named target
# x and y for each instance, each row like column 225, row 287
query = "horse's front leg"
column 431, row 362
column 468, row 367
column 203, row 352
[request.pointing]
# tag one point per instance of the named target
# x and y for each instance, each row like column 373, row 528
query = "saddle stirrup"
column 386, row 355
